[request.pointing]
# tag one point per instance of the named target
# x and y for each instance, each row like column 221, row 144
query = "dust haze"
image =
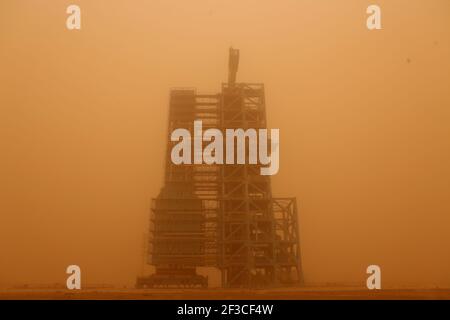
column 364, row 119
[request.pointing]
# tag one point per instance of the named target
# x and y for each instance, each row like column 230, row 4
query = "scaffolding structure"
column 221, row 215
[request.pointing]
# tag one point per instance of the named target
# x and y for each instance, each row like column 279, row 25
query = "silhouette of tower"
column 221, row 215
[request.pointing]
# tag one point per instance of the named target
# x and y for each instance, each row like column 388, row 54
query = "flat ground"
column 213, row 294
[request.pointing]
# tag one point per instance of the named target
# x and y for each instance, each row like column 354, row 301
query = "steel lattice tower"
column 221, row 215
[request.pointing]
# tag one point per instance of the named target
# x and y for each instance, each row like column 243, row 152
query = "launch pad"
column 221, row 215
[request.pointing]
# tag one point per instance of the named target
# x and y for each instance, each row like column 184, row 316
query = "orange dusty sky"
column 364, row 119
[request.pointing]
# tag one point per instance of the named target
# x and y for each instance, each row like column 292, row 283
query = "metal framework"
column 221, row 215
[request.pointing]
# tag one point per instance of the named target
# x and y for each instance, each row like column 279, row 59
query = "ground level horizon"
column 302, row 293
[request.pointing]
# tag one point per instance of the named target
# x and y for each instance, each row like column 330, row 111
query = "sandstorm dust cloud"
column 364, row 120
